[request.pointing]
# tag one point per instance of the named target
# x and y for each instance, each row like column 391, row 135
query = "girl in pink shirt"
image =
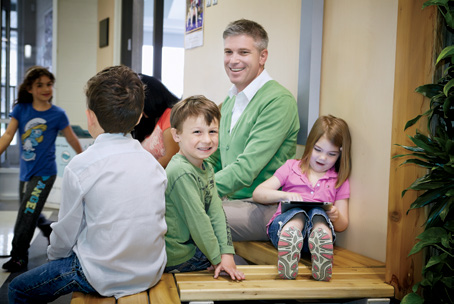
column 320, row 176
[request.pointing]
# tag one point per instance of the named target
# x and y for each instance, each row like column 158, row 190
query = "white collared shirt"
column 243, row 98
column 112, row 216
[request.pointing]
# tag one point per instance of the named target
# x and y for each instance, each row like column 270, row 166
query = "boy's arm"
column 6, row 138
column 220, row 225
column 70, row 219
column 72, row 139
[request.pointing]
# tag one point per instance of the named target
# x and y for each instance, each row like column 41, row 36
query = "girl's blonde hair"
column 337, row 132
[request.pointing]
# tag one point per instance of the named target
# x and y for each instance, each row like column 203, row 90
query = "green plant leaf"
column 449, row 282
column 445, row 210
column 412, row 298
column 428, row 197
column 429, row 90
column 447, row 104
column 417, row 162
column 446, row 52
column 437, row 259
column 429, row 237
column 449, row 225
column 448, row 87
column 412, row 122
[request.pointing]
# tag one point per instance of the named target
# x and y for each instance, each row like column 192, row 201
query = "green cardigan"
column 263, row 138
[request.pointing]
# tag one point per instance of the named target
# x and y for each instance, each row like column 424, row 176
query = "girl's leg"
column 31, row 205
column 49, row 281
column 321, row 248
column 289, row 247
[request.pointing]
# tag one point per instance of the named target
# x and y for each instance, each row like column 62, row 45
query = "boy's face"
column 197, row 140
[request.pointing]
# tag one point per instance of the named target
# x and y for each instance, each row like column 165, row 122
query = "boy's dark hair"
column 194, row 106
column 249, row 28
column 116, row 96
column 33, row 73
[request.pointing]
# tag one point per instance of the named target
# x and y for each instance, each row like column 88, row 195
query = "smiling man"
column 258, row 130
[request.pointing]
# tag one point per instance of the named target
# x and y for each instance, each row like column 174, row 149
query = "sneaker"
column 15, row 265
column 46, row 230
column 321, row 248
column 289, row 252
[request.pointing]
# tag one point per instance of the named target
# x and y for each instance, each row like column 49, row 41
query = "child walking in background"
column 320, row 176
column 38, row 122
column 198, row 235
column 109, row 238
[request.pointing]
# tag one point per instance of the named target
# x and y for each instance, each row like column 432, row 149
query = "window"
column 172, row 65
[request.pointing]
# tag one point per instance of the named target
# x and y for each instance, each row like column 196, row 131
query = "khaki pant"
column 247, row 219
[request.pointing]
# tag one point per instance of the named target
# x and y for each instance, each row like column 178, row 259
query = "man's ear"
column 175, row 135
column 263, row 57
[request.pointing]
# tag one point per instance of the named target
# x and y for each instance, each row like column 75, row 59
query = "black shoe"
column 15, row 265
column 46, row 230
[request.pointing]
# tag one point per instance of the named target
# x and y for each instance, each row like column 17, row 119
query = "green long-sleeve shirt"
column 194, row 214
column 263, row 138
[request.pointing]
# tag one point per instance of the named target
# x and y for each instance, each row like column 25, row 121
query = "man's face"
column 242, row 60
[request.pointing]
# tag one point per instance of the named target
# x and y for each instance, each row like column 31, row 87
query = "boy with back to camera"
column 109, row 238
column 198, row 235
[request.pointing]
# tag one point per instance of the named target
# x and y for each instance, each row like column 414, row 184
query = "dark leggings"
column 33, row 195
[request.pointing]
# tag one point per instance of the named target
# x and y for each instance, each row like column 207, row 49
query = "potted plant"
column 435, row 152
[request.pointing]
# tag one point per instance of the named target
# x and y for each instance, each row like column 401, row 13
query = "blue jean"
column 49, row 281
column 274, row 230
column 198, row 262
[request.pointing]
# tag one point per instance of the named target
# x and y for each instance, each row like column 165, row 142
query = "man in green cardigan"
column 258, row 130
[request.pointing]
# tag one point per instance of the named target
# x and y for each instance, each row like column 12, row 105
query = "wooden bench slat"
column 82, row 298
column 165, row 292
column 264, row 253
column 268, row 272
column 260, row 253
column 138, row 298
column 283, row 289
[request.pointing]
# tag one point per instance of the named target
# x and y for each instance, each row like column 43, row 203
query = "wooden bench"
column 164, row 292
column 354, row 277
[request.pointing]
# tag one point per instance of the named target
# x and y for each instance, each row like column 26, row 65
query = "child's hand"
column 333, row 214
column 292, row 196
column 228, row 265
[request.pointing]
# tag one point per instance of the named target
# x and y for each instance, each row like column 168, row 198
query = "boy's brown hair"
column 116, row 96
column 194, row 106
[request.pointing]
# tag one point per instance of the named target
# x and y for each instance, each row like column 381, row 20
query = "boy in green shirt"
column 198, row 235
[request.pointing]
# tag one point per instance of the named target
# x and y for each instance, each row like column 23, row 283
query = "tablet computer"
column 287, row 205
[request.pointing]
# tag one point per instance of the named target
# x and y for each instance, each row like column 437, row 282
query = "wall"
column 204, row 71
column 106, row 9
column 74, row 54
column 358, row 59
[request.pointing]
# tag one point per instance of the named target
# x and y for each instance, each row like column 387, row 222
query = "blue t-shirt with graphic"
column 38, row 131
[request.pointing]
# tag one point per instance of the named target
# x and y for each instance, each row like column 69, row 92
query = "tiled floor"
column 37, row 252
